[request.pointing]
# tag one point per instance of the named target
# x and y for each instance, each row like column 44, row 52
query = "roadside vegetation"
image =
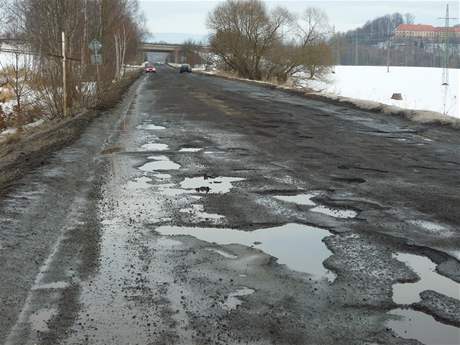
column 275, row 45
column 31, row 57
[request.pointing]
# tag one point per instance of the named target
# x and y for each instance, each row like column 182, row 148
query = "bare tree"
column 243, row 32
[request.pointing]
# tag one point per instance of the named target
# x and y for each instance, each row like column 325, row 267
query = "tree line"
column 33, row 30
column 257, row 43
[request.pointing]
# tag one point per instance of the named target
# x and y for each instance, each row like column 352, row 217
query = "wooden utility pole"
column 64, row 75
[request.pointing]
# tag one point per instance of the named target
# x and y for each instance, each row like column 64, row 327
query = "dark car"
column 185, row 68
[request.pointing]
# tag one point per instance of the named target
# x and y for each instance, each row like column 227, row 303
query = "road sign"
column 95, row 45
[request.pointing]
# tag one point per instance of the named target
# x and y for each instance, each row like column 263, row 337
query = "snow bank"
column 420, row 88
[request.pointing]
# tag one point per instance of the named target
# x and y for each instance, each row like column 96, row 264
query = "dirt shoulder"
column 31, row 149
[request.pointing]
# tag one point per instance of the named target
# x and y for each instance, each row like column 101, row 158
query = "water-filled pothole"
column 219, row 184
column 408, row 293
column 154, row 147
column 298, row 246
column 190, row 149
column 412, row 324
column 299, row 199
column 150, row 126
column 415, row 324
column 159, row 163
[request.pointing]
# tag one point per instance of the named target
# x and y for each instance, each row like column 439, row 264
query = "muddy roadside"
column 30, row 150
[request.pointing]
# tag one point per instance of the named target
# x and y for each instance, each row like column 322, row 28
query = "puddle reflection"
column 298, row 246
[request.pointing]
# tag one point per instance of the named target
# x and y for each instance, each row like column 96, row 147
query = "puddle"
column 422, row 327
column 159, row 163
column 232, row 301
column 150, row 127
column 190, row 149
column 155, row 147
column 300, row 199
column 197, row 211
column 162, row 176
column 408, row 293
column 222, row 253
column 298, row 246
column 333, row 212
column 140, row 183
column 39, row 320
column 215, row 185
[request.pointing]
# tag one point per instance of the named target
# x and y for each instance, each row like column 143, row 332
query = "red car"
column 150, row 69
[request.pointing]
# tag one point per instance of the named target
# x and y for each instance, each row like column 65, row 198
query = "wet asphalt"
column 97, row 246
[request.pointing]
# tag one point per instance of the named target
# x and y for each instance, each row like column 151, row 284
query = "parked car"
column 185, row 68
column 150, row 69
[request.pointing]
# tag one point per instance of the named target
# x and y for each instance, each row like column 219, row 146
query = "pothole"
column 411, row 324
column 408, row 293
column 232, row 301
column 155, row 147
column 190, row 149
column 219, row 184
column 334, row 212
column 150, row 126
column 159, row 163
column 417, row 325
column 299, row 199
column 300, row 247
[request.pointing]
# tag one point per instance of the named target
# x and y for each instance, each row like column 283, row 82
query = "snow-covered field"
column 420, row 87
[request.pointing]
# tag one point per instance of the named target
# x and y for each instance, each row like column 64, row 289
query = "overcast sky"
column 189, row 17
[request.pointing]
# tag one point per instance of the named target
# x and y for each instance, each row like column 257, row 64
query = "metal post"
column 64, row 75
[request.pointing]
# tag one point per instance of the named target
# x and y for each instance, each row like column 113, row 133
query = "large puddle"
column 219, row 184
column 422, row 327
column 408, row 293
column 298, row 246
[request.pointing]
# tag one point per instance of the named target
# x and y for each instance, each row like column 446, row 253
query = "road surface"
column 207, row 211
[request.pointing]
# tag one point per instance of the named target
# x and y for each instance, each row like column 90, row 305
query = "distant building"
column 424, row 31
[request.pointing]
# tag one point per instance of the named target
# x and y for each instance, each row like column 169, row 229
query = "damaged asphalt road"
column 209, row 211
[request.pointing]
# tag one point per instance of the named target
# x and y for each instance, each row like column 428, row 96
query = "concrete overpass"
column 174, row 50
